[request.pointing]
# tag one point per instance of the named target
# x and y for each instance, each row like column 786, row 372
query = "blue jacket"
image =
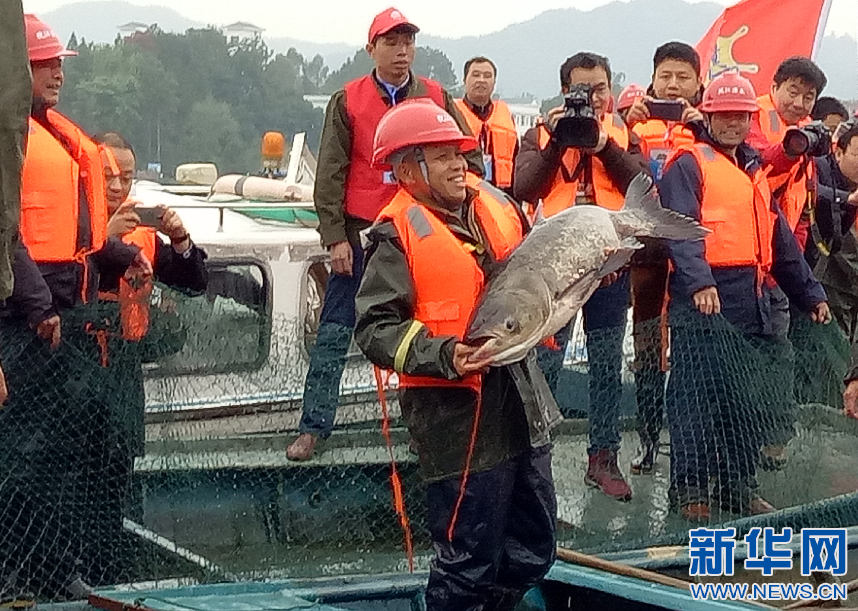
column 681, row 190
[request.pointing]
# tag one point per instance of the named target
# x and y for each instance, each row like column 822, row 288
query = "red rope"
column 451, row 529
column 395, row 480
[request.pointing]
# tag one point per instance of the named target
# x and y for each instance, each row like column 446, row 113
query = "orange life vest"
column 134, row 295
column 498, row 138
column 795, row 185
column 737, row 208
column 564, row 188
column 50, row 194
column 659, row 139
column 368, row 190
column 446, row 277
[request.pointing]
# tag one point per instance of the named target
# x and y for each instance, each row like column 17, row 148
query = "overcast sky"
column 348, row 20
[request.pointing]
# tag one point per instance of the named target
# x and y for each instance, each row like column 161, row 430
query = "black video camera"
column 579, row 126
column 813, row 140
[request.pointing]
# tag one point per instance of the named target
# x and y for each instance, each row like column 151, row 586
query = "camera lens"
column 796, row 142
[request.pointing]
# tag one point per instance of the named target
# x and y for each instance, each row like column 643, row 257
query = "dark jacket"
column 835, row 228
column 535, row 168
column 681, row 190
column 173, row 269
column 517, row 407
column 42, row 290
column 335, row 154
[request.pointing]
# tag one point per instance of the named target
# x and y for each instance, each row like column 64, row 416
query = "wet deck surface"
column 240, row 504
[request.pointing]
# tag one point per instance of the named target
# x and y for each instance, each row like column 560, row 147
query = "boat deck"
column 237, row 502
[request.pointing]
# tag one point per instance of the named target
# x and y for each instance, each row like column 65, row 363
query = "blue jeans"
column 328, row 355
column 714, row 420
column 605, row 316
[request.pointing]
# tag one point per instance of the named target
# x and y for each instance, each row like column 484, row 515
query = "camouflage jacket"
column 14, row 110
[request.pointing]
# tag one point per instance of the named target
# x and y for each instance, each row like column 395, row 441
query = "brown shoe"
column 302, row 448
column 695, row 512
column 604, row 474
column 760, row 506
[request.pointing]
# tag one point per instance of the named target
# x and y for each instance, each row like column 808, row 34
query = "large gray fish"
column 541, row 286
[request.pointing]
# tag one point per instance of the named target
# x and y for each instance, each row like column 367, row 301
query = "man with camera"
column 584, row 155
column 787, row 139
column 664, row 119
column 835, row 242
column 833, row 251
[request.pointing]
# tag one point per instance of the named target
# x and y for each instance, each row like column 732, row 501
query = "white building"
column 131, row 28
column 525, row 116
column 318, row 101
column 241, row 30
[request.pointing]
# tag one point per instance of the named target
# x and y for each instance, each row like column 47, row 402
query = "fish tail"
column 644, row 216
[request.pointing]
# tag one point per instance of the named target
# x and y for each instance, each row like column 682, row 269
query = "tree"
column 550, row 103
column 428, row 62
column 434, row 64
column 618, row 80
column 315, row 74
column 194, row 96
column 214, row 135
column 352, row 68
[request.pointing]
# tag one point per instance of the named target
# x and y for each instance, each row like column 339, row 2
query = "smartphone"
column 666, row 110
column 150, row 216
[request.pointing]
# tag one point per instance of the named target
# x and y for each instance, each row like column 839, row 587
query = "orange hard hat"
column 416, row 122
column 42, row 41
column 729, row 92
column 273, row 145
column 629, row 95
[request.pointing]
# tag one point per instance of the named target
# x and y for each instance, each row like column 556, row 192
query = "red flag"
column 755, row 36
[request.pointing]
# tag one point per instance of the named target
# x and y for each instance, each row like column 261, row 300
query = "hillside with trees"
column 191, row 97
column 196, row 96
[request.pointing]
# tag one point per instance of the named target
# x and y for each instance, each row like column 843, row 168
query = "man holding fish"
column 471, row 392
column 481, row 432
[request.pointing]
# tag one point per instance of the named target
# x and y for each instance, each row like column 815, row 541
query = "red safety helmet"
column 629, row 95
column 729, row 92
column 416, row 122
column 42, row 43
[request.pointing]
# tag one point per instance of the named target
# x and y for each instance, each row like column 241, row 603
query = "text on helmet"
column 733, row 89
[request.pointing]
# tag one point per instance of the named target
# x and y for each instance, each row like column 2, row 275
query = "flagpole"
column 820, row 28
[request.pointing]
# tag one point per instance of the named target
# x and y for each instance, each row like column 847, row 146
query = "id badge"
column 488, row 164
column 657, row 161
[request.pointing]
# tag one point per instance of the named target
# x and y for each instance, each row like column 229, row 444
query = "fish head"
column 510, row 318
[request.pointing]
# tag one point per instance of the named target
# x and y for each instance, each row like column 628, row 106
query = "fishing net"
column 132, row 462
column 739, row 418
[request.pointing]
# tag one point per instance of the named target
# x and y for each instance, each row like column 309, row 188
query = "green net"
column 164, row 459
